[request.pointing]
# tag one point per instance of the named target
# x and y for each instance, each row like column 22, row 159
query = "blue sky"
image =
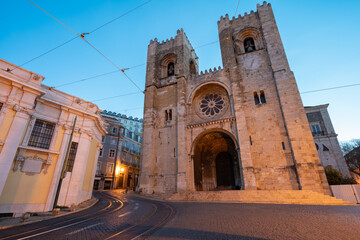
column 320, row 38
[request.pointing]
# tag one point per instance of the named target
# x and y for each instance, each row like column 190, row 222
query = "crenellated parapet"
column 179, row 39
column 246, row 19
column 210, row 71
column 210, row 74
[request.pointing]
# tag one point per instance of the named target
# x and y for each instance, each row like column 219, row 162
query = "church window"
column 212, row 104
column 250, row 140
column 256, row 98
column 283, row 145
column 168, row 115
column 325, row 149
column 317, row 146
column 262, row 97
column 249, row 45
column 171, row 69
column 192, row 68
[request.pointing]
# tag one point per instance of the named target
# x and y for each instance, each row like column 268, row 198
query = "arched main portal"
column 216, row 164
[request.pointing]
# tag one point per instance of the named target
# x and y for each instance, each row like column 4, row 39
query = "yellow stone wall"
column 21, row 188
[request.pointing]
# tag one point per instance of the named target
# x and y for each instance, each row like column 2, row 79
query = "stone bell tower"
column 169, row 64
column 268, row 107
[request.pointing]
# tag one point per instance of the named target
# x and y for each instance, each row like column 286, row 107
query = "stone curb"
column 244, row 202
column 50, row 217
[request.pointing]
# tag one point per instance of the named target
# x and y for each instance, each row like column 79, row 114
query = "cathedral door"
column 216, row 165
column 224, row 170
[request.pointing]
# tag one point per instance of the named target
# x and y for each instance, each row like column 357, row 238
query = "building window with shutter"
column 109, row 167
column 111, row 153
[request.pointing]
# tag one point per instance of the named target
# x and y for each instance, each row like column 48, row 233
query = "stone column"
column 11, row 144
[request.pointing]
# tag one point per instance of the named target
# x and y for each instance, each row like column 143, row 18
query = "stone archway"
column 216, row 164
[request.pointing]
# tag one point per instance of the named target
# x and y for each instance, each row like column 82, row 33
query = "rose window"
column 212, row 104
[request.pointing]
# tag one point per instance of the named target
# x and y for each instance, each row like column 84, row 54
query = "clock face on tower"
column 252, row 62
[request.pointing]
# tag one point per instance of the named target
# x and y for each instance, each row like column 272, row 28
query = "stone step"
column 261, row 196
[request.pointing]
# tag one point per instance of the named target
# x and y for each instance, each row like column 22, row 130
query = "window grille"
column 41, row 134
column 71, row 158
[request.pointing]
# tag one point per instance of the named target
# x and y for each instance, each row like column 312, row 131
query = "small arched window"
column 249, row 45
column 256, row 98
column 192, row 68
column 171, row 69
column 262, row 97
column 170, row 114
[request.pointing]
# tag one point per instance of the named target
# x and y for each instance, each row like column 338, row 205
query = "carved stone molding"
column 36, row 77
column 211, row 122
column 31, row 165
column 18, row 108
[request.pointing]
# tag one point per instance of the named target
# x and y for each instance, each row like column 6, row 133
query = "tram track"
column 147, row 225
column 69, row 222
column 139, row 218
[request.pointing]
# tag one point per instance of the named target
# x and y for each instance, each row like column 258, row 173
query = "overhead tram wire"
column 43, row 54
column 122, row 95
column 96, row 76
column 92, row 31
column 136, row 66
column 82, row 36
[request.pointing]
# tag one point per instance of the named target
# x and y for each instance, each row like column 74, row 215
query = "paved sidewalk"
column 7, row 222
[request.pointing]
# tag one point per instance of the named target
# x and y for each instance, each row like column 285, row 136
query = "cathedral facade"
column 242, row 126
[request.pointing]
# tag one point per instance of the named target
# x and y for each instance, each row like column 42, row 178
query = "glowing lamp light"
column 117, row 171
column 122, row 169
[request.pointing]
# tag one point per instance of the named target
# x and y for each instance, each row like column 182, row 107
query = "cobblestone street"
column 261, row 221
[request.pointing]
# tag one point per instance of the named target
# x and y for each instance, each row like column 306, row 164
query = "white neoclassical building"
column 39, row 148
